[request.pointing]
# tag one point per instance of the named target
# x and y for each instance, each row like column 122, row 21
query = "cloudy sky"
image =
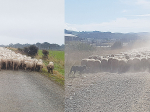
column 31, row 21
column 108, row 15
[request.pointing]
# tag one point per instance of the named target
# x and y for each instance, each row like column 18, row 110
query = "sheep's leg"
column 6, row 65
column 40, row 68
column 13, row 66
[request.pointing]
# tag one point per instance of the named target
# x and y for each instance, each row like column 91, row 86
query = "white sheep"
column 29, row 65
column 104, row 64
column 39, row 65
column 50, row 67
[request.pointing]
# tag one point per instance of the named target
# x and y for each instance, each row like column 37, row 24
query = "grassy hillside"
column 58, row 58
column 55, row 56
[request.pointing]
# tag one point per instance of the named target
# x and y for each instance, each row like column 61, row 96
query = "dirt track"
column 22, row 91
column 108, row 92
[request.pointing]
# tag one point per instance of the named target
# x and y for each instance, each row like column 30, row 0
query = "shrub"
column 45, row 53
column 32, row 50
column 19, row 49
column 25, row 50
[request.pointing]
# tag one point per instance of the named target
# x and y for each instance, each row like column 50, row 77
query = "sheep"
column 148, row 63
column 104, row 64
column 90, row 64
column 109, row 64
column 39, row 65
column 9, row 62
column 144, row 63
column 35, row 63
column 29, row 65
column 137, row 64
column 114, row 65
column 97, row 65
column 112, row 55
column 74, row 69
column 4, row 62
column 16, row 64
column 50, row 67
column 122, row 66
column 130, row 65
column 93, row 57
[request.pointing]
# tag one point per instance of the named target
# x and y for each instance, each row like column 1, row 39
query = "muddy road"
column 22, row 91
column 108, row 92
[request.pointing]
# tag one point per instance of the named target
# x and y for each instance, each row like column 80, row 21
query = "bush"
column 25, row 50
column 117, row 45
column 45, row 53
column 32, row 50
column 19, row 49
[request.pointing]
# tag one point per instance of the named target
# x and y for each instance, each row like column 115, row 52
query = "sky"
column 31, row 21
column 123, row 16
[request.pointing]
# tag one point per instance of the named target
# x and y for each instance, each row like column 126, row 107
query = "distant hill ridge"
column 124, row 37
column 44, row 45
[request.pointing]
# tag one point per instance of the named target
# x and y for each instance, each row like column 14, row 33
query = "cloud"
column 122, row 25
column 70, row 27
column 143, row 3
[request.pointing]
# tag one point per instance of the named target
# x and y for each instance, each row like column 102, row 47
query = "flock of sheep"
column 15, row 61
column 137, row 60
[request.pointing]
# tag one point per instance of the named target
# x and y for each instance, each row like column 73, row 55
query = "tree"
column 32, row 50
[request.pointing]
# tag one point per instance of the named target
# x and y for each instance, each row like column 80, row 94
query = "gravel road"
column 22, row 91
column 108, row 92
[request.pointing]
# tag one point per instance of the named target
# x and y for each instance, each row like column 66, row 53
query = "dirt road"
column 22, row 91
column 108, row 92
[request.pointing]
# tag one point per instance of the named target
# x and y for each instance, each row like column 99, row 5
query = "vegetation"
column 58, row 58
column 45, row 53
column 30, row 51
column 44, row 45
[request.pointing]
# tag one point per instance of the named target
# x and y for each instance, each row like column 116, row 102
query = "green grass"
column 59, row 70
column 57, row 57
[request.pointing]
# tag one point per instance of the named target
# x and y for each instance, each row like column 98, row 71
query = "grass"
column 55, row 56
column 58, row 58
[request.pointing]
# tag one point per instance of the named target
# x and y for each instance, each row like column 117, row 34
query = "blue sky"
column 108, row 15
